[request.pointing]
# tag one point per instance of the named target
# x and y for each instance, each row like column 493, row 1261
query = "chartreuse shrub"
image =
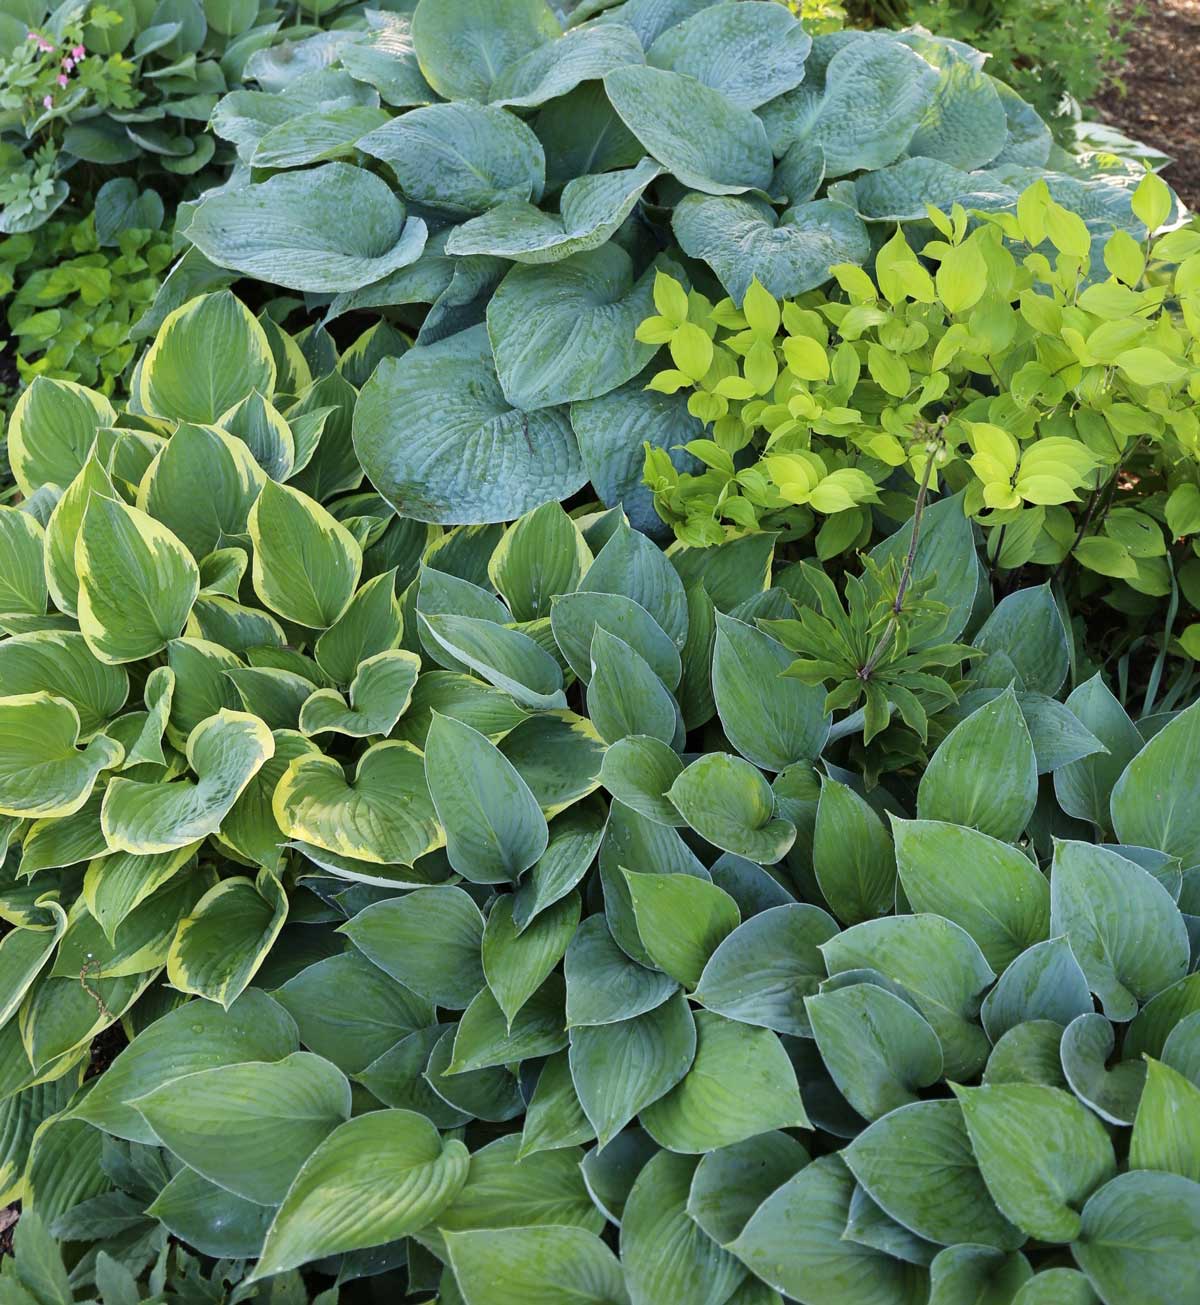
column 488, row 912
column 507, row 190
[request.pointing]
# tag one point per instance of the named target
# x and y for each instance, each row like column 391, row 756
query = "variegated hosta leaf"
column 43, row 772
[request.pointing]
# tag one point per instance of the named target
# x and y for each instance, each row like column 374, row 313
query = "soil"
column 1161, row 104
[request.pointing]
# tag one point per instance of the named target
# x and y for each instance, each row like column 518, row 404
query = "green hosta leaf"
column 225, row 751
column 370, row 625
column 730, row 1184
column 620, row 1068
column 317, row 137
column 385, row 816
column 379, row 695
column 1027, row 628
column 198, row 1035
column 603, row 985
column 1137, row 1238
column 428, row 423
column 486, row 1038
column 938, row 964
column 535, row 1266
column 429, row 940
column 984, row 773
column 1084, row 788
column 879, row 1051
column 202, row 455
column 638, row 770
column 1041, row 1154
column 1150, row 806
column 794, row 1242
column 1056, row 1287
column 221, row 945
column 575, row 618
column 42, row 771
column 565, row 331
column 1028, row 1053
column 274, row 695
column 575, row 837
column 704, row 139
column 250, row 1127
column 374, row 1179
column 554, row 1119
column 137, row 582
column 306, row 564
column 852, row 855
column 773, row 721
column 22, row 577
column 591, row 209
column 492, row 1093
column 329, row 228
column 60, row 662
column 877, row 92
column 986, row 887
column 397, row 1078
column 763, row 971
column 917, row 1164
column 630, row 564
column 728, row 802
column 976, row 1273
column 1166, row 1130
column 463, row 45
column 214, row 1221
column 1086, row 1047
column 465, row 158
column 250, row 827
column 207, row 357
column 625, row 696
column 1043, row 983
column 494, row 827
column 516, row 964
column 52, row 430
column 1109, row 908
column 681, row 921
column 538, row 557
column 740, row 1083
column 743, row 238
column 507, row 658
column 665, row 1254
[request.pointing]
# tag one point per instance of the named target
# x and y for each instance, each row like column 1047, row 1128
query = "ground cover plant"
column 568, row 735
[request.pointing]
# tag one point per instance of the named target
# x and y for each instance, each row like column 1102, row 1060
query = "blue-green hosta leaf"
column 486, row 1039
column 429, row 940
column 60, row 663
column 52, row 430
column 665, row 1253
column 374, row 1179
column 989, row 888
column 879, row 1051
column 225, row 751
column 1041, row 1153
column 317, row 136
column 741, row 239
column 965, row 125
column 681, row 921
column 638, row 770
column 209, row 1218
column 439, row 440
column 397, row 1078
column 517, row 963
column 1086, row 1048
column 751, row 52
column 564, row 331
column 220, row 946
column 575, row 619
column 541, row 555
column 202, row 455
column 42, row 771
column 603, row 985
column 556, row 68
column 331, row 228
column 1028, row 628
column 1029, row 139
column 507, row 658
column 984, row 773
column 1122, row 924
column 917, row 1164
column 727, row 801
column 590, row 211
column 877, row 92
column 575, row 837
column 387, row 60
column 558, row 754
column 730, row 1184
column 741, row 1083
column 978, row 1273
column 379, row 696
column 902, row 191
column 852, row 856
column 1056, row 1287
column 464, row 45
column 271, row 693
column 197, row 1036
column 705, row 140
column 625, row 696
column 1029, row 1053
column 798, row 175
column 492, row 1093
column 494, row 827
column 1166, row 1131
column 1150, row 806
column 22, row 572
column 620, row 1068
column 464, row 158
column 249, row 1127
column 630, row 564
column 1137, row 1237
column 384, row 817
column 1043, row 983
column 763, row 971
column 535, row 1266
column 208, row 356
column 794, row 1242
column 1084, row 788
column 938, row 964
column 137, row 581
column 306, row 563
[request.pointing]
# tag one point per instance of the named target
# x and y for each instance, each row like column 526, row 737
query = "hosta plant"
column 508, row 191
column 485, row 912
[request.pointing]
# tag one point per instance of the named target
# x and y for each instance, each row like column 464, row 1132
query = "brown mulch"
column 8, row 1221
column 1161, row 104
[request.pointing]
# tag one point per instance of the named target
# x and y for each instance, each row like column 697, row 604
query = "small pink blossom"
column 33, row 36
column 47, row 102
column 62, row 80
column 78, row 52
column 68, row 63
column 44, row 45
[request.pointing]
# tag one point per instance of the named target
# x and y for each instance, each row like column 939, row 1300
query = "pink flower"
column 68, row 63
column 78, row 52
column 33, row 36
column 62, row 80
column 44, row 45
column 47, row 103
